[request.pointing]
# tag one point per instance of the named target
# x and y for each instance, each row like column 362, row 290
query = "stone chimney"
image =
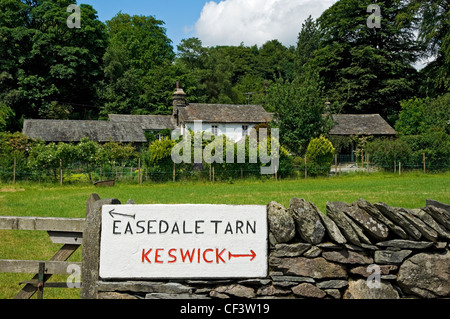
column 179, row 99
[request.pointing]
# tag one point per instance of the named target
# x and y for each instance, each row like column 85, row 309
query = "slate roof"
column 361, row 124
column 74, row 131
column 147, row 122
column 224, row 113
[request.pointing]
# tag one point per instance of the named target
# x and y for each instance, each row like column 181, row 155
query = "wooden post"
column 91, row 245
column 139, row 172
column 399, row 168
column 14, row 170
column 174, row 172
column 368, row 166
column 335, row 165
column 362, row 158
column 306, row 170
column 213, row 177
column 60, row 172
column 424, row 164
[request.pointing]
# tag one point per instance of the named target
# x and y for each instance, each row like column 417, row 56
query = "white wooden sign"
column 183, row 241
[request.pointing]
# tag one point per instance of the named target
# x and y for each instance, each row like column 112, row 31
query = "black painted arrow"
column 112, row 213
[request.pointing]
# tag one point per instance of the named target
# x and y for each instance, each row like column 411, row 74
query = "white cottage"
column 233, row 121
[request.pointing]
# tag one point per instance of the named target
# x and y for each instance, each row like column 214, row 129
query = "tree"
column 6, row 113
column 419, row 116
column 434, row 33
column 367, row 70
column 299, row 109
column 136, row 63
column 42, row 61
column 308, row 42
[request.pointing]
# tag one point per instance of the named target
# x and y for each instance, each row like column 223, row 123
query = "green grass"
column 45, row 200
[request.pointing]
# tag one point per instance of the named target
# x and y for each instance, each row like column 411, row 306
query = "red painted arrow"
column 253, row 255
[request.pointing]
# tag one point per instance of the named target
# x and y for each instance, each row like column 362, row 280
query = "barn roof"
column 224, row 113
column 361, row 124
column 74, row 131
column 147, row 122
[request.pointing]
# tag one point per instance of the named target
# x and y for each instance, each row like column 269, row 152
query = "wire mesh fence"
column 140, row 175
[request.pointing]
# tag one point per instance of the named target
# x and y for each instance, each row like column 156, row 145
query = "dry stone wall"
column 354, row 251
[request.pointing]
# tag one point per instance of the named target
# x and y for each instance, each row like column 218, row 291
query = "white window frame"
column 215, row 130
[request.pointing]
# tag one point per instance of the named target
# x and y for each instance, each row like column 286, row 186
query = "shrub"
column 319, row 156
column 383, row 152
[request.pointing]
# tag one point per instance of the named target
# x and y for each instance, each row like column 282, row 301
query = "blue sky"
column 221, row 22
column 180, row 16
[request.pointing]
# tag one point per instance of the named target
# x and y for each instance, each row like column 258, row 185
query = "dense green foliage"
column 128, row 65
column 319, row 155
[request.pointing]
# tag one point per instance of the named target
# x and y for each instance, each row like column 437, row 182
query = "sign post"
column 183, row 241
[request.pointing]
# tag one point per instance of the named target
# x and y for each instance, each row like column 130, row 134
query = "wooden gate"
column 66, row 231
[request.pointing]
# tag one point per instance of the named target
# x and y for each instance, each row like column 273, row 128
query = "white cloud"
column 231, row 22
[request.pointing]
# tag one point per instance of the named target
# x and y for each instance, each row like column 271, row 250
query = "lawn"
column 409, row 190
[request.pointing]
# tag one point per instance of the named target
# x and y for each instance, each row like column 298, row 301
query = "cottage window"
column 215, row 130
column 244, row 130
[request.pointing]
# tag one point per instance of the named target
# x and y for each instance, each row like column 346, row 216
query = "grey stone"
column 317, row 268
column 374, row 212
column 427, row 232
column 427, row 219
column 281, row 223
column 358, row 289
column 115, row 296
column 335, row 293
column 332, row 229
column 440, row 215
column 354, row 247
column 295, row 279
column 426, row 275
column 272, row 291
column 173, row 296
column 309, row 225
column 388, row 277
column 218, row 295
column 398, row 219
column 328, row 245
column 440, row 245
column 435, row 203
column 290, row 250
column 308, row 291
column 332, row 284
column 391, row 257
column 313, row 252
column 344, row 208
column 334, row 211
column 369, row 247
column 362, row 270
column 255, row 282
column 375, row 228
column 236, row 290
column 405, row 244
column 347, row 257
column 144, row 286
